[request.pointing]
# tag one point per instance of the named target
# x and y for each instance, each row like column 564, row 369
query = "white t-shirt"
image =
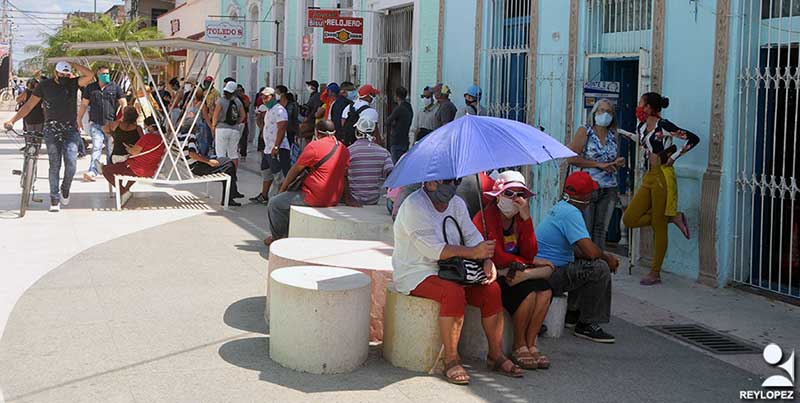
column 369, row 112
column 419, row 241
column 273, row 116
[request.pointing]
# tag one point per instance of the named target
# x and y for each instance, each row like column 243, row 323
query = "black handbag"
column 459, row 269
column 297, row 183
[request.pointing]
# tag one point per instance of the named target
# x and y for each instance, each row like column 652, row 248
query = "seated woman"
column 420, row 243
column 124, row 131
column 522, row 277
column 143, row 160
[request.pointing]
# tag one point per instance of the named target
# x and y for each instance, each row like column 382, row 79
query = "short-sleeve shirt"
column 58, row 99
column 369, row 112
column 146, row 165
column 190, row 147
column 559, row 231
column 103, row 102
column 224, row 103
column 445, row 114
column 211, row 99
column 370, row 165
column 275, row 115
column 324, row 186
column 419, row 240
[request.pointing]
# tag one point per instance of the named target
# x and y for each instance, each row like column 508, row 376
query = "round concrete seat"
column 369, row 257
column 556, row 316
column 411, row 338
column 472, row 342
column 320, row 319
column 368, row 223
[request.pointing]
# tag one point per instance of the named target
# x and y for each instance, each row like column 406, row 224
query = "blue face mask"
column 351, row 95
column 104, row 78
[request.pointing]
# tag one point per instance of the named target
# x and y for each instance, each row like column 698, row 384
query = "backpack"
column 350, row 124
column 232, row 113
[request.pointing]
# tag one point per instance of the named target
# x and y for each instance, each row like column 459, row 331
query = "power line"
column 12, row 17
column 32, row 17
column 38, row 12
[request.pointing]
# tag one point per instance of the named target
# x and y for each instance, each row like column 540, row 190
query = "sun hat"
column 509, row 180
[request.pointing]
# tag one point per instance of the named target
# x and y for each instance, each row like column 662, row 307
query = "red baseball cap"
column 209, row 78
column 367, row 89
column 580, row 183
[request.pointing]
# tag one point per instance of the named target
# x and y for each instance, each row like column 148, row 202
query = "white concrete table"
column 320, row 319
column 369, row 257
column 368, row 223
column 411, row 338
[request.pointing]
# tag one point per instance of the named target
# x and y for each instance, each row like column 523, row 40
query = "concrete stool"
column 320, row 319
column 556, row 316
column 473, row 341
column 368, row 223
column 411, row 337
column 369, row 257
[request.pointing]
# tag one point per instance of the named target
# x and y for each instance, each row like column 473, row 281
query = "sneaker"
column 125, row 197
column 64, row 197
column 54, row 206
column 232, row 203
column 259, row 199
column 572, row 318
column 237, row 195
column 593, row 332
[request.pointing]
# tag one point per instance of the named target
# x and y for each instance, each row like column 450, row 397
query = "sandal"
column 523, row 358
column 458, row 376
column 497, row 366
column 542, row 361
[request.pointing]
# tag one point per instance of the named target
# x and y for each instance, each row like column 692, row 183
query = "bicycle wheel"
column 7, row 96
column 27, row 183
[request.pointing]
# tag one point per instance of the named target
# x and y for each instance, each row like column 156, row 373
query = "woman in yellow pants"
column 649, row 205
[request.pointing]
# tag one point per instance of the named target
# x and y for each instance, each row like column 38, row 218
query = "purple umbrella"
column 473, row 144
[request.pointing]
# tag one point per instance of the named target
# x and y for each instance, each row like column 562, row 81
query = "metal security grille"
column 390, row 67
column 344, row 53
column 506, row 88
column 618, row 26
column 766, row 235
column 708, row 339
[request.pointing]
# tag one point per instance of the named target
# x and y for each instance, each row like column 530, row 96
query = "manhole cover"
column 708, row 339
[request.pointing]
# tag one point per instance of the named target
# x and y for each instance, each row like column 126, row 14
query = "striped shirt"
column 191, row 145
column 370, row 164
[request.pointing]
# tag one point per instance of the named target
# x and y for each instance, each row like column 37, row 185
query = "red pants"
column 453, row 297
column 120, row 168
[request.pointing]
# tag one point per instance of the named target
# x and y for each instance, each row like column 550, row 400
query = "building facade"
column 148, row 10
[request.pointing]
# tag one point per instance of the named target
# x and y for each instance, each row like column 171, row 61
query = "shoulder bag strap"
column 327, row 157
column 458, row 227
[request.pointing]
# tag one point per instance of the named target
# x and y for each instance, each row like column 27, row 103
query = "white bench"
column 411, row 337
column 369, row 257
column 320, row 319
column 218, row 177
column 368, row 223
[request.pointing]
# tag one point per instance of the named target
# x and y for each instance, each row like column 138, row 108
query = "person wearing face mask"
column 58, row 97
column 226, row 124
column 425, row 117
column 447, row 109
column 363, row 106
column 655, row 204
column 581, row 268
column 313, row 103
column 472, row 103
column 521, row 275
column 104, row 99
column 598, row 154
column 205, row 138
column 399, row 124
column 123, row 131
column 419, row 242
column 327, row 161
column 338, row 106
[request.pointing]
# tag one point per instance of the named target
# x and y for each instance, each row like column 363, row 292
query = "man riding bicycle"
column 59, row 97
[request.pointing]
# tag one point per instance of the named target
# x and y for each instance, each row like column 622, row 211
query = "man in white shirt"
column 275, row 160
column 364, row 106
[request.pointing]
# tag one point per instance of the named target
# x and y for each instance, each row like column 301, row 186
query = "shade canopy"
column 99, row 58
column 174, row 44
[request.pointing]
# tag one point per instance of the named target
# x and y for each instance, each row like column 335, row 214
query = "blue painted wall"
column 459, row 48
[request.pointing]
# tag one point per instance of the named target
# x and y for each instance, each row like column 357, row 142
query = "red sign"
column 343, row 31
column 306, row 49
column 317, row 17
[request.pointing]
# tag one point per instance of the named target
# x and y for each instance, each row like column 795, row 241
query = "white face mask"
column 311, row 89
column 507, row 207
column 277, row 97
column 427, row 101
column 603, row 119
column 187, row 87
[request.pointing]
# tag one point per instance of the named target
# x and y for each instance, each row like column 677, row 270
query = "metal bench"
column 218, row 177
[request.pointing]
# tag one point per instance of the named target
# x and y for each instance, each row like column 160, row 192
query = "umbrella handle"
column 480, row 203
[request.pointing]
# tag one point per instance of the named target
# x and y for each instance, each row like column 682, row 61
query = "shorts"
column 273, row 168
column 226, row 142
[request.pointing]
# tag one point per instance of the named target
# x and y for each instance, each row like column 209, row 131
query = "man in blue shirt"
column 582, row 268
column 104, row 99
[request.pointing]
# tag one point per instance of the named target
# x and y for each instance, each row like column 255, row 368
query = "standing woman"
column 649, row 205
column 598, row 154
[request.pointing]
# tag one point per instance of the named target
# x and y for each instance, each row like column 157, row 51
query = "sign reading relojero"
column 343, row 31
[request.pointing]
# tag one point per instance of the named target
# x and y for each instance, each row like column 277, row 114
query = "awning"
column 99, row 58
column 175, row 44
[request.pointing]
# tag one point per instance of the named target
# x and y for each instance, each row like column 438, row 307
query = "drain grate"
column 708, row 339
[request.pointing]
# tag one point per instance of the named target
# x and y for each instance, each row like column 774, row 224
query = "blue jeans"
column 397, row 152
column 62, row 143
column 99, row 139
column 205, row 142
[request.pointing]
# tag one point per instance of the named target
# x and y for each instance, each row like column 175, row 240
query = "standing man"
column 399, row 123
column 275, row 160
column 472, row 102
column 425, row 119
column 226, row 124
column 35, row 120
column 205, row 140
column 447, row 110
column 363, row 106
column 313, row 102
column 338, row 106
column 106, row 99
column 58, row 96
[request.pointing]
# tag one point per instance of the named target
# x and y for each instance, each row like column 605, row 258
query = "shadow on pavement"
column 247, row 314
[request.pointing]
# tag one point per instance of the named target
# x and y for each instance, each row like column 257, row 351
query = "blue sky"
column 29, row 31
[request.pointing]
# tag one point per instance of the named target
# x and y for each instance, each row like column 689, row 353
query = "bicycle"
column 33, row 143
column 7, row 94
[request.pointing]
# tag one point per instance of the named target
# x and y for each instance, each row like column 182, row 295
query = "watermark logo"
column 778, row 387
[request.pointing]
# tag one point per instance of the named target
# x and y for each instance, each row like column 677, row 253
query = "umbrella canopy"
column 472, row 144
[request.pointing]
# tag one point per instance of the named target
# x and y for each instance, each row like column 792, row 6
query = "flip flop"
column 457, row 377
column 497, row 366
column 542, row 361
column 523, row 358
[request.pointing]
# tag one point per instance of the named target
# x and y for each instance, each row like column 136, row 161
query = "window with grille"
column 626, row 15
column 779, row 9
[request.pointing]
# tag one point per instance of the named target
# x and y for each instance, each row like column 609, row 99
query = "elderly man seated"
column 582, row 268
column 370, row 164
column 143, row 159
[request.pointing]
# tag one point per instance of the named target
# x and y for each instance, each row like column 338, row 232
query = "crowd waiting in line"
column 331, row 150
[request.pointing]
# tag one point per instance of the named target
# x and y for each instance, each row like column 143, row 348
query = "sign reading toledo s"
column 343, row 31
column 224, row 31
